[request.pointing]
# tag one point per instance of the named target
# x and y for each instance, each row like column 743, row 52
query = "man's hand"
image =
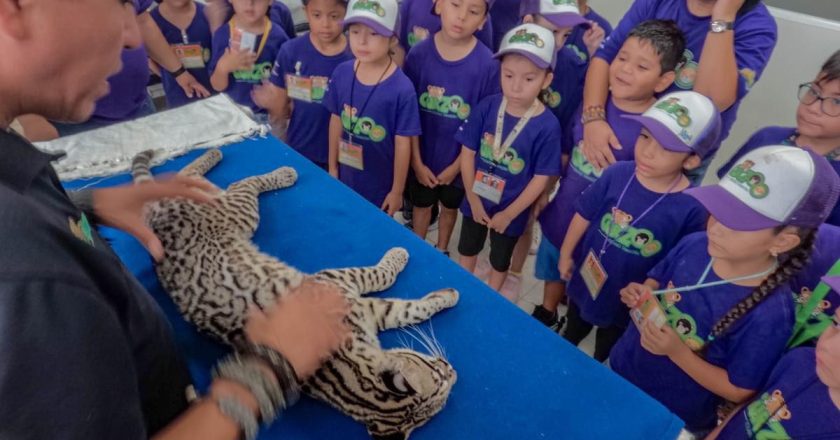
column 122, row 207
column 191, row 86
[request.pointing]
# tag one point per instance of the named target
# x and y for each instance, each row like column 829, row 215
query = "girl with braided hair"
column 734, row 309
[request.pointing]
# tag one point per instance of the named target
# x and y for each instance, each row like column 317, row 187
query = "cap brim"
column 729, row 210
column 833, row 282
column 567, row 20
column 373, row 24
column 661, row 133
column 539, row 62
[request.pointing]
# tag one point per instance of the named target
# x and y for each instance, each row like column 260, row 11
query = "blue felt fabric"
column 516, row 379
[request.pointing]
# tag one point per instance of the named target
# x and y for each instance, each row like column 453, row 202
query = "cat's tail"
column 141, row 167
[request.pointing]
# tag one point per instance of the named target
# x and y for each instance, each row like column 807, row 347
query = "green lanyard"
column 805, row 329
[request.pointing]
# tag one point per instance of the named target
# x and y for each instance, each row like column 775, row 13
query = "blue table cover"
column 516, row 379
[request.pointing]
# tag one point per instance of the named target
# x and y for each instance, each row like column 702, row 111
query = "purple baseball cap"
column 773, row 186
column 531, row 41
column 379, row 15
column 683, row 122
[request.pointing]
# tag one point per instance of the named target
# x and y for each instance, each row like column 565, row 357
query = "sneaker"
column 512, row 287
column 482, row 269
column 549, row 319
column 536, row 237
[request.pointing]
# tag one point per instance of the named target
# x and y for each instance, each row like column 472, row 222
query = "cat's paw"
column 287, row 176
column 449, row 296
column 398, row 257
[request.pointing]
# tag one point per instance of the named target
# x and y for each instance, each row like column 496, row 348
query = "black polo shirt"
column 85, row 352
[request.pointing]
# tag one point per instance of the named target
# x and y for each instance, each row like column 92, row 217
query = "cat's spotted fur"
column 214, row 273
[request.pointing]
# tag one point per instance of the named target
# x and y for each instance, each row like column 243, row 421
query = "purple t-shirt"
column 779, row 136
column 504, row 15
column 795, row 404
column 575, row 40
column 825, row 254
column 417, row 23
column 748, row 351
column 128, row 87
column 557, row 216
column 534, row 152
column 447, row 96
column 310, row 121
column 374, row 115
column 633, row 243
column 242, row 82
column 755, row 38
column 566, row 90
column 198, row 32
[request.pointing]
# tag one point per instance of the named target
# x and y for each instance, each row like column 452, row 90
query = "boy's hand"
column 425, row 176
column 265, row 95
column 566, row 267
column 661, row 341
column 726, row 9
column 479, row 215
column 593, row 38
column 598, row 139
column 631, row 294
column 448, row 175
column 393, row 202
column 191, row 86
column 500, row 222
column 235, row 60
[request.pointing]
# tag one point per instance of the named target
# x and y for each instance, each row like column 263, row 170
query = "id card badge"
column 648, row 309
column 247, row 41
column 488, row 187
column 351, row 155
column 191, row 55
column 593, row 274
column 299, row 87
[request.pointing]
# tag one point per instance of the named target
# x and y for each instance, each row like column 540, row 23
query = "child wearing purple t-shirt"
column 299, row 81
column 723, row 312
column 817, row 123
column 585, row 42
column 243, row 52
column 645, row 66
column 728, row 45
column 419, row 21
column 185, row 27
column 509, row 151
column 802, row 398
column 374, row 109
column 628, row 220
column 438, row 67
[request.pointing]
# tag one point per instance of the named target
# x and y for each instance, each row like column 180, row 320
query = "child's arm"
column 574, row 234
column 402, row 156
column 598, row 136
column 631, row 294
column 424, row 175
column 467, row 160
column 335, row 137
column 717, row 72
column 665, row 342
column 231, row 61
column 502, row 219
column 162, row 54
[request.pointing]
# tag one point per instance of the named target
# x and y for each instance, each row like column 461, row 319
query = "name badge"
column 299, row 87
column 351, row 155
column 488, row 186
column 648, row 309
column 593, row 274
column 191, row 55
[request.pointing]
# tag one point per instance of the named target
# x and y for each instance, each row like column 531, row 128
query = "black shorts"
column 472, row 241
column 450, row 196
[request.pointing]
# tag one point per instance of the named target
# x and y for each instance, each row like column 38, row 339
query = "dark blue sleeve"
column 142, row 6
column 569, row 131
column 492, row 85
column 408, row 111
column 470, row 132
column 640, row 11
column 332, row 99
column 403, row 24
column 485, row 34
column 282, row 16
column 411, row 68
column 221, row 40
column 755, row 39
column 67, row 372
column 589, row 204
column 281, row 67
column 547, row 150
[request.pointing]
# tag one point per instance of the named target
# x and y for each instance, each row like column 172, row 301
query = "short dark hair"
column 666, row 38
column 831, row 69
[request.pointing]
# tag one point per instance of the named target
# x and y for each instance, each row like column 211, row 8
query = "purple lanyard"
column 636, row 220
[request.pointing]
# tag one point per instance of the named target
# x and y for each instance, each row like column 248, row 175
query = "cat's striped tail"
column 141, row 167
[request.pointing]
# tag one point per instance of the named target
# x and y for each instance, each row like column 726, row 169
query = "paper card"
column 248, row 42
column 488, row 186
column 191, row 55
column 648, row 309
column 351, row 155
column 299, row 87
column 593, row 274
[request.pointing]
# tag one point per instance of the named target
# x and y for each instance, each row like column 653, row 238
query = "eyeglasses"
column 809, row 95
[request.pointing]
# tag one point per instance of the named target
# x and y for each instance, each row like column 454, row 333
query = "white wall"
column 804, row 44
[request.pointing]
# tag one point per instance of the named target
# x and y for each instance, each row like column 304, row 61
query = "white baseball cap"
column 773, row 186
column 561, row 13
column 380, row 15
column 685, row 122
column 531, row 41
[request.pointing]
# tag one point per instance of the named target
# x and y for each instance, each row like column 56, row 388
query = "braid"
column 792, row 264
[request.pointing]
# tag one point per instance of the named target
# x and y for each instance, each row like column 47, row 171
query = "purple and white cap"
column 561, row 13
column 773, row 186
column 531, row 41
column 684, row 122
column 379, row 15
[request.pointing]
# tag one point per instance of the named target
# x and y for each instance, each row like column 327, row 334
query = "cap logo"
column 749, row 179
column 371, row 6
column 523, row 36
column 679, row 113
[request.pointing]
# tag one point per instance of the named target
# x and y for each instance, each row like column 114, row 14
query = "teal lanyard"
column 701, row 284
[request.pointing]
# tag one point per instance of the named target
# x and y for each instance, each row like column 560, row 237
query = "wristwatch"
column 721, row 26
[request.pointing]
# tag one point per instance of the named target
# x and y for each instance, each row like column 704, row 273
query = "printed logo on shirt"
column 260, row 72
column 765, row 416
column 371, row 6
column 749, row 77
column 749, row 179
column 364, row 127
column 523, row 36
column 682, row 323
column 583, row 56
column 435, row 100
column 582, row 166
column 687, row 73
column 551, row 97
column 417, row 35
column 615, row 225
column 510, row 161
column 81, row 229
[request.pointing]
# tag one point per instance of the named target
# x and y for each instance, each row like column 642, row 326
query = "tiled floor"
column 532, row 289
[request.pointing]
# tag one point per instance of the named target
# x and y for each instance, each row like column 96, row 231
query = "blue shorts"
column 545, row 268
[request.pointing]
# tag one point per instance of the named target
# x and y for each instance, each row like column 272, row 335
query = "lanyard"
column 650, row 208
column 499, row 147
column 264, row 38
column 364, row 105
column 701, row 284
